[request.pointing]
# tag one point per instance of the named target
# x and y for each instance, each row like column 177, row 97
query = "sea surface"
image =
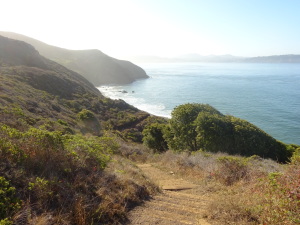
column 267, row 95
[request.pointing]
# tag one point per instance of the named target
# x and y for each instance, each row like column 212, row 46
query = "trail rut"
column 177, row 204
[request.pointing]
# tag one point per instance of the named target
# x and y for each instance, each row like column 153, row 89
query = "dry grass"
column 134, row 151
column 243, row 190
column 231, row 208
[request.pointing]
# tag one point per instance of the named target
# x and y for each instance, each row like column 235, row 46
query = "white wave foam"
column 118, row 92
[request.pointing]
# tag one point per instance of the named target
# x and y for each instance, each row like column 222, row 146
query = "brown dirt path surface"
column 176, row 205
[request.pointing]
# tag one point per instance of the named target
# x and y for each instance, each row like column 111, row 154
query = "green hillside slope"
column 46, row 92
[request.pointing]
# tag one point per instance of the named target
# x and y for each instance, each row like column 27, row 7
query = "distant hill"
column 187, row 58
column 94, row 65
column 274, row 59
column 218, row 59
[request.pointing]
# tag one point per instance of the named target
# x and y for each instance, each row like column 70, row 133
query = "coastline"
column 246, row 91
column 117, row 92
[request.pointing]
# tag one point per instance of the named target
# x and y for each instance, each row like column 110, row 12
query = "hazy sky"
column 159, row 27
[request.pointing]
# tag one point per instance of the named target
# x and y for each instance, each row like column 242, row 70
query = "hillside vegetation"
column 95, row 66
column 47, row 92
column 57, row 136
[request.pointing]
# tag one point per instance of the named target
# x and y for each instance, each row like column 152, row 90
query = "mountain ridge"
column 92, row 64
column 227, row 58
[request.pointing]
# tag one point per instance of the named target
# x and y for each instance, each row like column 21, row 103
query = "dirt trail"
column 176, row 205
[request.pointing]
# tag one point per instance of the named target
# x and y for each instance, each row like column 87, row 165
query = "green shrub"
column 153, row 137
column 183, row 134
column 85, row 115
column 41, row 150
column 214, row 132
column 9, row 148
column 6, row 221
column 296, row 156
column 41, row 189
column 91, row 151
column 62, row 122
column 46, row 140
column 250, row 140
column 133, row 135
column 8, row 201
column 198, row 126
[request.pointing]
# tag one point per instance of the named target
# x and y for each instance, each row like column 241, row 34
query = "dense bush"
column 214, row 132
column 296, row 154
column 41, row 151
column 85, row 115
column 8, row 200
column 94, row 151
column 153, row 137
column 200, row 126
column 182, row 133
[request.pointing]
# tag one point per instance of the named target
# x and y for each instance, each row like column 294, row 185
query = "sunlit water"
column 267, row 95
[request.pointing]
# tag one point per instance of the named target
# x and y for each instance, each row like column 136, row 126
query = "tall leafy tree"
column 183, row 134
column 154, row 137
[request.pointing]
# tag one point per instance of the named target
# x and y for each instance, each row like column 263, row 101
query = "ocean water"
column 267, row 95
